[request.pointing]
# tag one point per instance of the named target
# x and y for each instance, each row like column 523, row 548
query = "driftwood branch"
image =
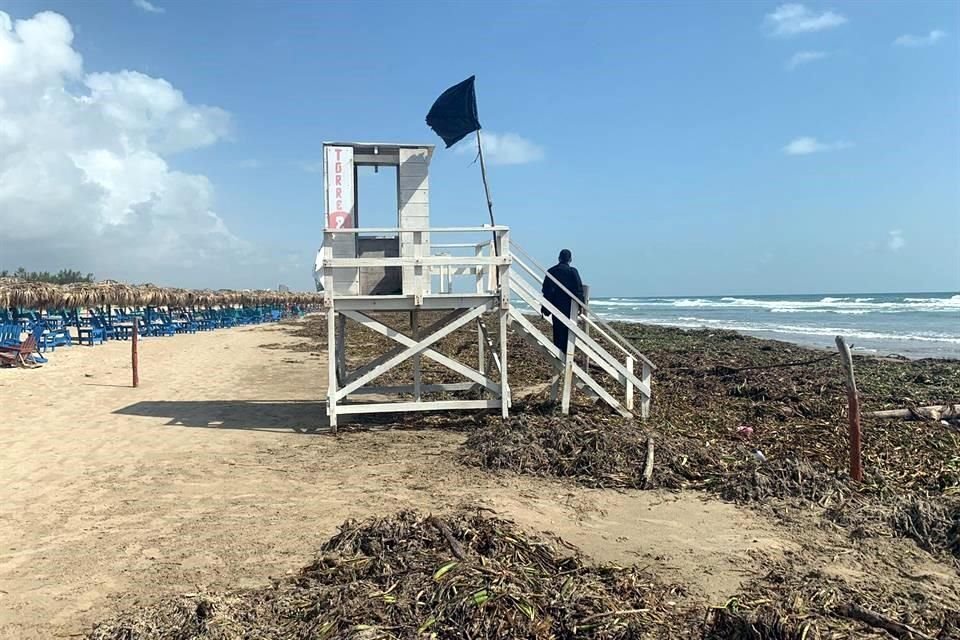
column 853, row 413
column 451, row 541
column 648, row 468
column 876, row 620
column 932, row 412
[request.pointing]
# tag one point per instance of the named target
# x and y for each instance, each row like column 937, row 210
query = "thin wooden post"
column 341, row 347
column 417, row 359
column 332, row 386
column 629, row 386
column 486, row 190
column 503, row 275
column 568, row 362
column 481, row 348
column 134, row 356
column 853, row 411
column 646, row 377
column 586, row 325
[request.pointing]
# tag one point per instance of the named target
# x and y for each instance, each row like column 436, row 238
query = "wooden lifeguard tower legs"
column 368, row 271
column 455, row 311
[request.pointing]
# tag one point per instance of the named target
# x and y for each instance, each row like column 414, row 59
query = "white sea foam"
column 692, row 322
column 828, row 304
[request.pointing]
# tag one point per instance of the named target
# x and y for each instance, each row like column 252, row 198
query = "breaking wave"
column 826, row 304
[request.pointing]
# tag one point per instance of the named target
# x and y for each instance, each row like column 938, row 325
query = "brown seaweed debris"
column 794, row 603
column 464, row 576
column 597, row 450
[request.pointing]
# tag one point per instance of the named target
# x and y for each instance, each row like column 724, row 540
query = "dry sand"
column 206, row 477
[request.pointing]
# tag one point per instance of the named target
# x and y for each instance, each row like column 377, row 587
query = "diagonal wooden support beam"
column 597, row 388
column 521, row 286
column 414, row 347
column 531, row 300
column 370, row 366
column 551, row 358
column 488, row 341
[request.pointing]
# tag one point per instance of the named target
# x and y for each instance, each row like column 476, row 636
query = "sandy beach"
column 217, row 474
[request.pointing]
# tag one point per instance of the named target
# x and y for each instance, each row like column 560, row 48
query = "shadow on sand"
column 302, row 416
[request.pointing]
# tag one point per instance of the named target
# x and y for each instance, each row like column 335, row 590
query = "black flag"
column 454, row 114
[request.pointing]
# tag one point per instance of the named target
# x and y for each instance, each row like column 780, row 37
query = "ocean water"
column 915, row 325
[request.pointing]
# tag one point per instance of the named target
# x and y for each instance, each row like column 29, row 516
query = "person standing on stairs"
column 569, row 277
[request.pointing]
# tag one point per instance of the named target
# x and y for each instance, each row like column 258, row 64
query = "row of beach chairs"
column 27, row 335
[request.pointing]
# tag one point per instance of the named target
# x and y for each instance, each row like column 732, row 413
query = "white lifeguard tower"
column 367, row 271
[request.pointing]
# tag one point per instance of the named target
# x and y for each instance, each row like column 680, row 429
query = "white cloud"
column 895, row 240
column 804, row 57
column 250, row 163
column 149, row 7
column 85, row 179
column 932, row 38
column 792, row 19
column 806, row 145
column 503, row 148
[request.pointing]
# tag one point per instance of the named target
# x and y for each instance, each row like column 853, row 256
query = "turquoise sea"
column 915, row 325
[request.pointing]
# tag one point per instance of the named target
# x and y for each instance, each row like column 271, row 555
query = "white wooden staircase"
column 604, row 349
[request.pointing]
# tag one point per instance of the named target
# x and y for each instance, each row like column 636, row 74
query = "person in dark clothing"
column 569, row 277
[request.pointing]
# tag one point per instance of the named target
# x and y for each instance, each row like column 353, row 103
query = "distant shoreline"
column 810, row 346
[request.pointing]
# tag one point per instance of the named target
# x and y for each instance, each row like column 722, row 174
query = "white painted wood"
column 554, row 382
column 488, row 340
column 568, row 363
column 379, row 230
column 418, row 253
column 373, row 364
column 340, row 347
column 504, row 279
column 415, row 326
column 331, row 369
column 525, row 292
column 597, row 388
column 328, row 291
column 621, row 342
column 408, row 389
column 413, row 349
column 436, row 405
column 414, row 180
column 405, row 303
column 645, row 400
column 481, row 348
column 586, row 325
column 339, row 176
column 412, row 197
column 392, row 352
column 598, row 353
column 629, row 385
column 412, row 156
column 458, row 245
column 504, row 382
column 412, row 346
column 425, row 261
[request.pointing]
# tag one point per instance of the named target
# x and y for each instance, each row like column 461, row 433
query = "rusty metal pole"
column 133, row 352
column 853, row 411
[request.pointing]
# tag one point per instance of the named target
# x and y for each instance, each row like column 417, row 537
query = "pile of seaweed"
column 473, row 575
column 795, row 603
column 467, row 575
column 598, row 450
column 747, row 419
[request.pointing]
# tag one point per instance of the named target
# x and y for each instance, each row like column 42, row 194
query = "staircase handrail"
column 594, row 319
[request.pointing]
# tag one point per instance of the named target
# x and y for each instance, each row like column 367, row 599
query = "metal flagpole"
column 486, row 188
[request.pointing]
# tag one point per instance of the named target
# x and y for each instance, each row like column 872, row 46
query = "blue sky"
column 683, row 148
